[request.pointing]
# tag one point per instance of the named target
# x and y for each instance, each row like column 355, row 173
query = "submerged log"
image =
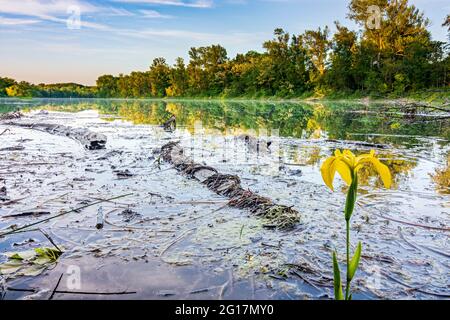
column 280, row 216
column 90, row 140
column 10, row 115
column 360, row 143
column 171, row 124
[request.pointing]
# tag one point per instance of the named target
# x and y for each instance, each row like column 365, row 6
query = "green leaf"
column 48, row 254
column 338, row 294
column 351, row 197
column 353, row 266
column 16, row 256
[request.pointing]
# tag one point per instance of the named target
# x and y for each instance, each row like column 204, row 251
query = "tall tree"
column 159, row 76
column 317, row 44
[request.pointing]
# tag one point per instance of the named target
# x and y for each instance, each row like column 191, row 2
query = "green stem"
column 349, row 206
column 347, row 287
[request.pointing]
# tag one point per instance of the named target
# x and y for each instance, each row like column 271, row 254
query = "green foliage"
column 5, row 83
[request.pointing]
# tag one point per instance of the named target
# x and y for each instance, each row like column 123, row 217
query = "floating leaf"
column 29, row 263
column 24, row 255
column 16, row 257
column 9, row 268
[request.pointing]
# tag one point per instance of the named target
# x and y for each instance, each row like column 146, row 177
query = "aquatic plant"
column 348, row 165
column 29, row 263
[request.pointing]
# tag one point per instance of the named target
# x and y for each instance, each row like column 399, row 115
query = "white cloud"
column 43, row 8
column 13, row 22
column 203, row 38
column 178, row 3
column 152, row 14
column 57, row 10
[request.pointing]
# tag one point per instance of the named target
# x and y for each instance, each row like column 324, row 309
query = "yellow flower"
column 347, row 165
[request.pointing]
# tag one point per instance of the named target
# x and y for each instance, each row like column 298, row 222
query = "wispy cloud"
column 43, row 9
column 178, row 3
column 16, row 21
column 203, row 38
column 152, row 14
column 55, row 11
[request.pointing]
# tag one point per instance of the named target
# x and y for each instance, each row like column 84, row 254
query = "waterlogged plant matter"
column 29, row 263
column 347, row 165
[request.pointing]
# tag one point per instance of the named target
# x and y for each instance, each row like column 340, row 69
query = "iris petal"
column 328, row 171
column 383, row 171
column 344, row 171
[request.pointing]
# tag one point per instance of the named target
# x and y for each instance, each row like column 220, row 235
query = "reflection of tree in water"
column 289, row 119
column 442, row 178
column 342, row 119
column 298, row 120
column 307, row 156
column 313, row 156
column 399, row 168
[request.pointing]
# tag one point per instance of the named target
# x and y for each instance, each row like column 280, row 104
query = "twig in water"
column 418, row 289
column 27, row 214
column 49, row 239
column 95, row 293
column 56, row 287
column 4, row 131
column 75, row 292
column 183, row 235
column 61, row 214
column 413, row 224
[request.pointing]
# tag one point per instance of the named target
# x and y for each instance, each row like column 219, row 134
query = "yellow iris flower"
column 347, row 165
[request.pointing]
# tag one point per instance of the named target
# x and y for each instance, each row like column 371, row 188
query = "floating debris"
column 28, row 263
column 129, row 215
column 100, row 223
column 171, row 124
column 11, row 115
column 13, row 148
column 90, row 140
column 360, row 143
column 123, row 174
column 27, row 214
column 3, row 193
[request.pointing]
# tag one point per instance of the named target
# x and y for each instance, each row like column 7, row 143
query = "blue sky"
column 119, row 36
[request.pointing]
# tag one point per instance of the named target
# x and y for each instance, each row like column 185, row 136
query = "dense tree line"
column 391, row 53
column 12, row 88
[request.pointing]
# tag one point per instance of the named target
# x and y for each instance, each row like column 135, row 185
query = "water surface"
column 184, row 243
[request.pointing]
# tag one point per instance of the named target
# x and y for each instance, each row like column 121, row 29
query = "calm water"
column 228, row 253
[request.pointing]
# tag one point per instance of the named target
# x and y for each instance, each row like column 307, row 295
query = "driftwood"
column 90, row 140
column 11, row 115
column 171, row 124
column 360, row 143
column 279, row 216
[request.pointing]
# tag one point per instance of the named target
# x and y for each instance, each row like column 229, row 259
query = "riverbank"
column 431, row 97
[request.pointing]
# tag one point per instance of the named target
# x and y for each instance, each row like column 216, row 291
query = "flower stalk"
column 347, row 165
